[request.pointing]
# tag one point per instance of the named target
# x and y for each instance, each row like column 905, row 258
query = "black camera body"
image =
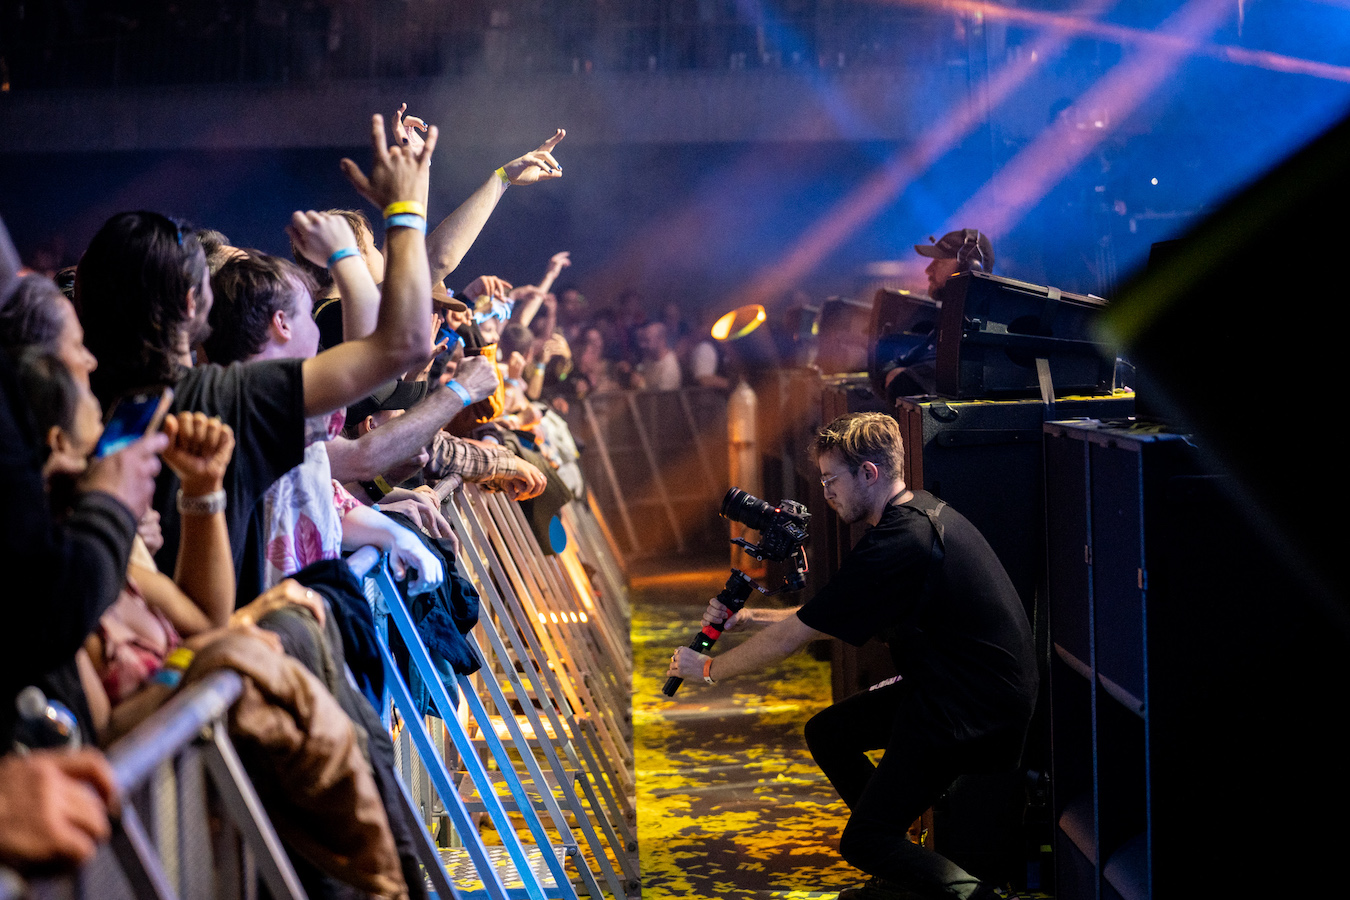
column 782, row 535
column 782, row 528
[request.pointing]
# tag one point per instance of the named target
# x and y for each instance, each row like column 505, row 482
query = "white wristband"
column 205, row 505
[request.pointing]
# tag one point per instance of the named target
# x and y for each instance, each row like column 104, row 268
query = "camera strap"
column 896, row 634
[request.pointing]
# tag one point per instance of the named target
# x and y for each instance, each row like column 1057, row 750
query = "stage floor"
column 730, row 804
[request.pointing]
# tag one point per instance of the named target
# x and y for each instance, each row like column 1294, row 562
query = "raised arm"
column 452, row 238
column 346, row 373
column 199, row 452
column 380, row 449
column 556, row 263
column 321, row 236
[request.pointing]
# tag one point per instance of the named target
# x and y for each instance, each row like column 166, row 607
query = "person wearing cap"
column 966, row 250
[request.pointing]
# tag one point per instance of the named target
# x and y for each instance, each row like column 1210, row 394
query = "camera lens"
column 749, row 510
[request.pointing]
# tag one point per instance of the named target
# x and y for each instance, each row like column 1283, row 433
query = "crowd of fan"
column 312, row 406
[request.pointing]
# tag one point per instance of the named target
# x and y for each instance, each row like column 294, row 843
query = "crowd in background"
column 193, row 432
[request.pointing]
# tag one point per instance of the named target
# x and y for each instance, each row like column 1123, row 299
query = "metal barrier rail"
column 557, row 665
column 659, row 466
column 175, row 838
column 519, row 712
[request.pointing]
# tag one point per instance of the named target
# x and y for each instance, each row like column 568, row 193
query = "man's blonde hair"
column 864, row 437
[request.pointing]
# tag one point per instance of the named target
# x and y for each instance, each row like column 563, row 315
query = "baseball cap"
column 390, row 395
column 949, row 247
column 442, row 297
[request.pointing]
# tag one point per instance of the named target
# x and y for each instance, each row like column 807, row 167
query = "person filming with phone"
column 925, row 581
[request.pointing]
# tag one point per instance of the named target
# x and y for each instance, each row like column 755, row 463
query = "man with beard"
column 143, row 292
column 966, row 250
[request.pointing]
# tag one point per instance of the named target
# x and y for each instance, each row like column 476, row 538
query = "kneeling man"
column 925, row 581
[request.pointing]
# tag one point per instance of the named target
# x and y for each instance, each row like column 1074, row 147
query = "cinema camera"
column 782, row 536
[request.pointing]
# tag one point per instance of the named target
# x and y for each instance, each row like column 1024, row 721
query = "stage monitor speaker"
column 992, row 330
column 843, row 336
column 901, row 333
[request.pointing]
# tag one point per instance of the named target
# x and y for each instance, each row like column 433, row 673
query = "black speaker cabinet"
column 1189, row 687
column 984, row 458
column 992, row 330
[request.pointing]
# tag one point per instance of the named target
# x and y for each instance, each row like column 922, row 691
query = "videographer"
column 924, row 580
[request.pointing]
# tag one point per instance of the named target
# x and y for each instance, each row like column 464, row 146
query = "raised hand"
column 555, row 345
column 198, row 452
column 537, row 165
column 396, row 173
column 515, row 365
column 487, row 286
column 317, row 235
column 559, row 261
column 406, row 128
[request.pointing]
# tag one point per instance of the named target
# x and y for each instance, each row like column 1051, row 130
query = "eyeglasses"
column 828, row 480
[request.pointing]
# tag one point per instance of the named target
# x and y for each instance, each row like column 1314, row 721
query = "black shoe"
column 878, row 889
column 986, row 891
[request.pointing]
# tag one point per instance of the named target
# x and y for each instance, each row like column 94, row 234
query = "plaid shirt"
column 472, row 461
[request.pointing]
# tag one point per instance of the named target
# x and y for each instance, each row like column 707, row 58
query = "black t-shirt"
column 328, row 316
column 264, row 402
column 964, row 643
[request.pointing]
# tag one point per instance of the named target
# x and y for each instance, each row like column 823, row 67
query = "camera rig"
column 783, row 532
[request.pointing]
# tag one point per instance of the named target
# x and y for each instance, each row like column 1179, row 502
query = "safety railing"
column 656, row 463
column 536, row 745
column 538, row 742
column 191, row 825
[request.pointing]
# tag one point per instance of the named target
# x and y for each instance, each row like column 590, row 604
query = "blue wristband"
column 168, row 676
column 406, row 220
column 459, row 389
column 342, row 254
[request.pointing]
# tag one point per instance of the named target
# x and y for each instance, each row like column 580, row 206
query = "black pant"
column 884, row 799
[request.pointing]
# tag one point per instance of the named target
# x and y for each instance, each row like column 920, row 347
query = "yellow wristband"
column 382, row 484
column 179, row 658
column 411, row 207
column 501, row 173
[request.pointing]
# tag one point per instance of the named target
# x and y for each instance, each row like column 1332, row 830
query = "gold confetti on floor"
column 730, row 804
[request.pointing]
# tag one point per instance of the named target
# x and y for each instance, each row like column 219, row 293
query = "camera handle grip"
column 733, row 597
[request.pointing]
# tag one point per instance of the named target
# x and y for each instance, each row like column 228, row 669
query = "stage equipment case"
column 1183, row 684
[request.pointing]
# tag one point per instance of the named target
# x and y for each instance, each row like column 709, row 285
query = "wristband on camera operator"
column 783, row 534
